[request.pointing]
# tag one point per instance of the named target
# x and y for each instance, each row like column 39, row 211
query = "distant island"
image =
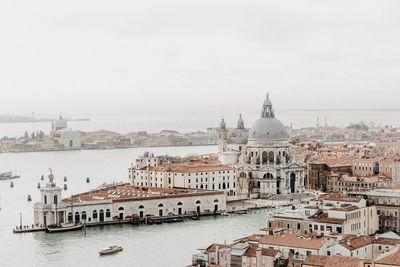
column 22, row 119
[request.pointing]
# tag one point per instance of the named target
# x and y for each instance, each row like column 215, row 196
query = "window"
column 55, row 199
column 108, row 213
column 387, row 223
column 378, row 212
column 94, row 214
column 45, row 199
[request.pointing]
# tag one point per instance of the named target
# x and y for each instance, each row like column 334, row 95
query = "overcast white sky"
column 128, row 56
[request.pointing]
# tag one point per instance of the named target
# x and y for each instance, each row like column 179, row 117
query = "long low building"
column 122, row 202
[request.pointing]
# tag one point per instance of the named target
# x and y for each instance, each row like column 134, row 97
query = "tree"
column 26, row 136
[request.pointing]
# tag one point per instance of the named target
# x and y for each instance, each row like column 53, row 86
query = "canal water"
column 155, row 245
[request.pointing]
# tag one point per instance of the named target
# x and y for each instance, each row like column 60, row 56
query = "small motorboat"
column 194, row 217
column 110, row 250
column 224, row 214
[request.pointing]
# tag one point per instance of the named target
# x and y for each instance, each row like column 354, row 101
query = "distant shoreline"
column 29, row 120
column 107, row 148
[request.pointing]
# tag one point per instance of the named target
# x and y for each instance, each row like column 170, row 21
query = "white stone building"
column 122, row 202
column 265, row 164
column 194, row 174
column 66, row 139
column 328, row 214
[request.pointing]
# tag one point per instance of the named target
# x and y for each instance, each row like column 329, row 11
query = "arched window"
column 179, row 203
column 198, row 202
column 268, row 175
column 84, row 215
column 55, row 199
column 108, row 213
column 160, row 205
column 77, row 217
column 216, row 200
column 121, row 208
column 271, row 157
column 242, row 175
column 141, row 207
column 94, row 214
column 264, row 157
column 70, row 217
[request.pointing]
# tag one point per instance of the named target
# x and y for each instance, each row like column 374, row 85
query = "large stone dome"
column 268, row 129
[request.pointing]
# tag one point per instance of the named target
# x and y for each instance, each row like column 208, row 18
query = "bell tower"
column 222, row 137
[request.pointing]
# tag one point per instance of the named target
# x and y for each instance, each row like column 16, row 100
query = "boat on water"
column 8, row 176
column 241, row 212
column 195, row 218
column 63, row 228
column 110, row 250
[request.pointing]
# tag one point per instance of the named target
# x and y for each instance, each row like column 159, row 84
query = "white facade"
column 70, row 139
column 266, row 165
column 93, row 207
column 151, row 171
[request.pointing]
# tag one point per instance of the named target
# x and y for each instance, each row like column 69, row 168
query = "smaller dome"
column 267, row 102
column 222, row 124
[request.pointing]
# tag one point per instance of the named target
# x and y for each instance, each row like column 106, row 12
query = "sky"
column 96, row 56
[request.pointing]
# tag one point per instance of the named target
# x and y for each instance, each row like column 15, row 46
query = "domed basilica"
column 264, row 162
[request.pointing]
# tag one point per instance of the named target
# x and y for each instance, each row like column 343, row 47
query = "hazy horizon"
column 182, row 56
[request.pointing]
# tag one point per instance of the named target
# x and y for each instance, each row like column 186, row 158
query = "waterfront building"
column 265, row 164
column 205, row 172
column 66, row 139
column 328, row 214
column 122, row 203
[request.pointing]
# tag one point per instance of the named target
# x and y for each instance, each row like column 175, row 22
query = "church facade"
column 265, row 164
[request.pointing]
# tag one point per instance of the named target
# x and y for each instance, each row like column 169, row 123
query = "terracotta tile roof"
column 357, row 242
column 338, row 197
column 332, row 261
column 317, row 260
column 388, row 241
column 323, row 218
column 251, row 252
column 350, row 208
column 391, row 257
column 187, row 168
column 291, row 240
column 213, row 247
column 127, row 192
